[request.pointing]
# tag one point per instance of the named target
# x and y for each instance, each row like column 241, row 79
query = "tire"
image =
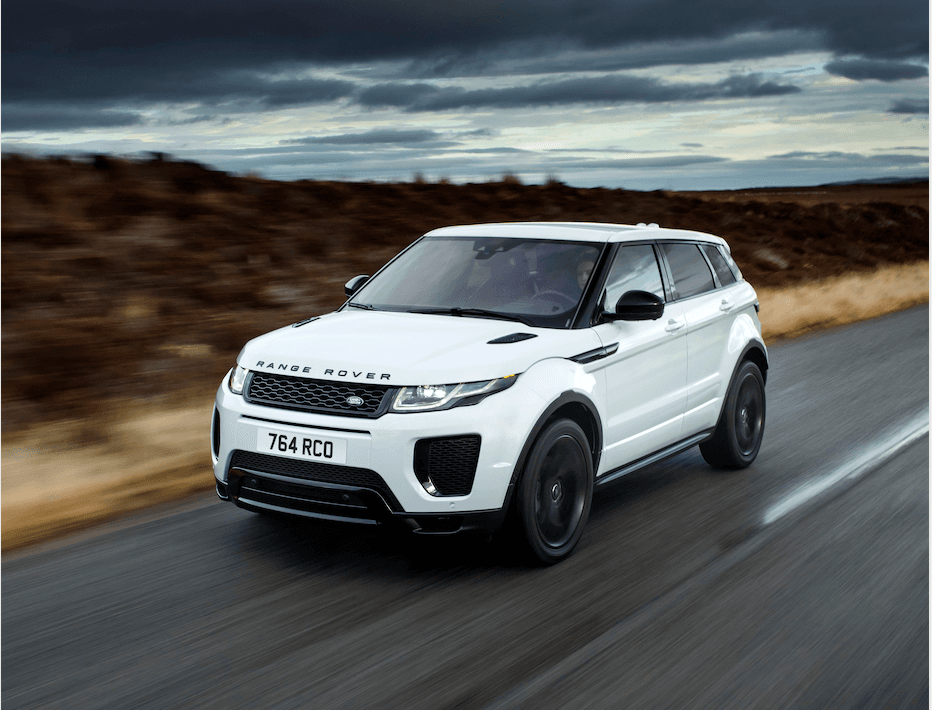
column 740, row 429
column 555, row 492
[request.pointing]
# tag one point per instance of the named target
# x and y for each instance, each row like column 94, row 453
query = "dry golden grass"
column 161, row 455
column 793, row 311
column 52, row 487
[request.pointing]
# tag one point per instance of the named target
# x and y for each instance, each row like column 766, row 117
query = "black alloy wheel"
column 749, row 416
column 555, row 492
column 740, row 430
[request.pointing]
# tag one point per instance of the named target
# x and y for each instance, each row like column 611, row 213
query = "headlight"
column 431, row 397
column 238, row 379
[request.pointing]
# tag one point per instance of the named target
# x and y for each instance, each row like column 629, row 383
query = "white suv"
column 498, row 369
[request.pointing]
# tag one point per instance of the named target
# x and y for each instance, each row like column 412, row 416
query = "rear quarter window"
column 726, row 255
column 722, row 270
column 691, row 274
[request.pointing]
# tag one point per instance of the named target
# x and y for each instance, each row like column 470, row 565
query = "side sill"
column 654, row 457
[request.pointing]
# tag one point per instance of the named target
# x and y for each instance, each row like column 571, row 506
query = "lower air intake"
column 449, row 463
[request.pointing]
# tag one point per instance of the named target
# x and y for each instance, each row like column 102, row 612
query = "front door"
column 645, row 377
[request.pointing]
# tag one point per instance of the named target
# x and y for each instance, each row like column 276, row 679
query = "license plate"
column 301, row 446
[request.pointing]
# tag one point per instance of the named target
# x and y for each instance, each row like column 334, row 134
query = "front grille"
column 315, row 471
column 287, row 392
column 449, row 462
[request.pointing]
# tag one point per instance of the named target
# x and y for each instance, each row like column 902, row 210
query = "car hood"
column 407, row 348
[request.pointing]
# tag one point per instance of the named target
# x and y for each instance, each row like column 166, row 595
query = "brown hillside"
column 140, row 280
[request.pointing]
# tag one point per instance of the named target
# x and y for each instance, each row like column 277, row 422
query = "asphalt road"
column 799, row 582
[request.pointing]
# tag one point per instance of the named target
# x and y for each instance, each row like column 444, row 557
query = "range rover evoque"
column 498, row 370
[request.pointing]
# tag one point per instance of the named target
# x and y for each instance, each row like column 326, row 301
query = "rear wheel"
column 740, row 430
column 555, row 492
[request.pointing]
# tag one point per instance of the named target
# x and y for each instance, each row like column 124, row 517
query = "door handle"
column 674, row 325
column 726, row 305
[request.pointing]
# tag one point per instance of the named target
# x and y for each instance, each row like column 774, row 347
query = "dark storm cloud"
column 881, row 70
column 636, row 56
column 123, row 48
column 909, row 106
column 839, row 158
column 660, row 162
column 50, row 107
column 320, row 161
column 124, row 83
column 22, row 117
column 396, row 94
column 477, row 133
column 598, row 90
column 375, row 137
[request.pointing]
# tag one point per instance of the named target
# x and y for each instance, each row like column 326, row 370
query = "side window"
column 634, row 269
column 731, row 262
column 725, row 277
column 691, row 275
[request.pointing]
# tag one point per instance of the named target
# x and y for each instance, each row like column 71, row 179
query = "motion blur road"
column 800, row 582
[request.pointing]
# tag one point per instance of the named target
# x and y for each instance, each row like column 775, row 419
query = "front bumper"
column 377, row 482
column 362, row 507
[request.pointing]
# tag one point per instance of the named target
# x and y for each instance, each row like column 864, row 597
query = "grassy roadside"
column 797, row 310
column 50, row 488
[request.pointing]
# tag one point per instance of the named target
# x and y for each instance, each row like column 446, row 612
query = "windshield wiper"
column 474, row 312
column 364, row 306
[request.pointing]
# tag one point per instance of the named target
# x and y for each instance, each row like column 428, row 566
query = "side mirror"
column 354, row 284
column 636, row 305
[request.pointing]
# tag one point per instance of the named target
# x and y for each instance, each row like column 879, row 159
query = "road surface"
column 799, row 582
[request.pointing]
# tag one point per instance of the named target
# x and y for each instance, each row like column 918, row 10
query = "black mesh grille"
column 450, row 463
column 314, row 471
column 316, row 395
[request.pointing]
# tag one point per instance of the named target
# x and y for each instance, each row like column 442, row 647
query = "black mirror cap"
column 354, row 284
column 637, row 305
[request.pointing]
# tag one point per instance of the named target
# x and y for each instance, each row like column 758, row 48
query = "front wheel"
column 555, row 492
column 740, row 430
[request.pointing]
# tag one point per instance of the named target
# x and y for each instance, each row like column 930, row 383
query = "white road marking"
column 853, row 469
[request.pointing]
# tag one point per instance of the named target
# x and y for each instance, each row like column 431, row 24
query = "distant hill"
column 141, row 279
column 879, row 181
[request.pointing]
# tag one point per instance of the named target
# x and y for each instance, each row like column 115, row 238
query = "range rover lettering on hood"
column 331, row 372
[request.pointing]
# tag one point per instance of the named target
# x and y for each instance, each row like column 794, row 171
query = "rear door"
column 646, row 376
column 708, row 305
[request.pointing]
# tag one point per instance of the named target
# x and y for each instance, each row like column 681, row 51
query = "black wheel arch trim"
column 556, row 405
column 754, row 345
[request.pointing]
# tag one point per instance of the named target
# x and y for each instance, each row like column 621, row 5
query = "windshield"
column 538, row 281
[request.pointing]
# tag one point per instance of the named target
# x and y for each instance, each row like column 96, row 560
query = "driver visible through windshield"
column 538, row 281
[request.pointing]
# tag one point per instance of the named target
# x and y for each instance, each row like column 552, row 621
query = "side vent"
column 513, row 338
column 593, row 355
column 446, row 466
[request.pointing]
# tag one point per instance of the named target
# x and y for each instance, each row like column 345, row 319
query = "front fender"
column 564, row 386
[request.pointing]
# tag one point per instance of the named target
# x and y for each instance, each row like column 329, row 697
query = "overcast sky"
column 644, row 94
